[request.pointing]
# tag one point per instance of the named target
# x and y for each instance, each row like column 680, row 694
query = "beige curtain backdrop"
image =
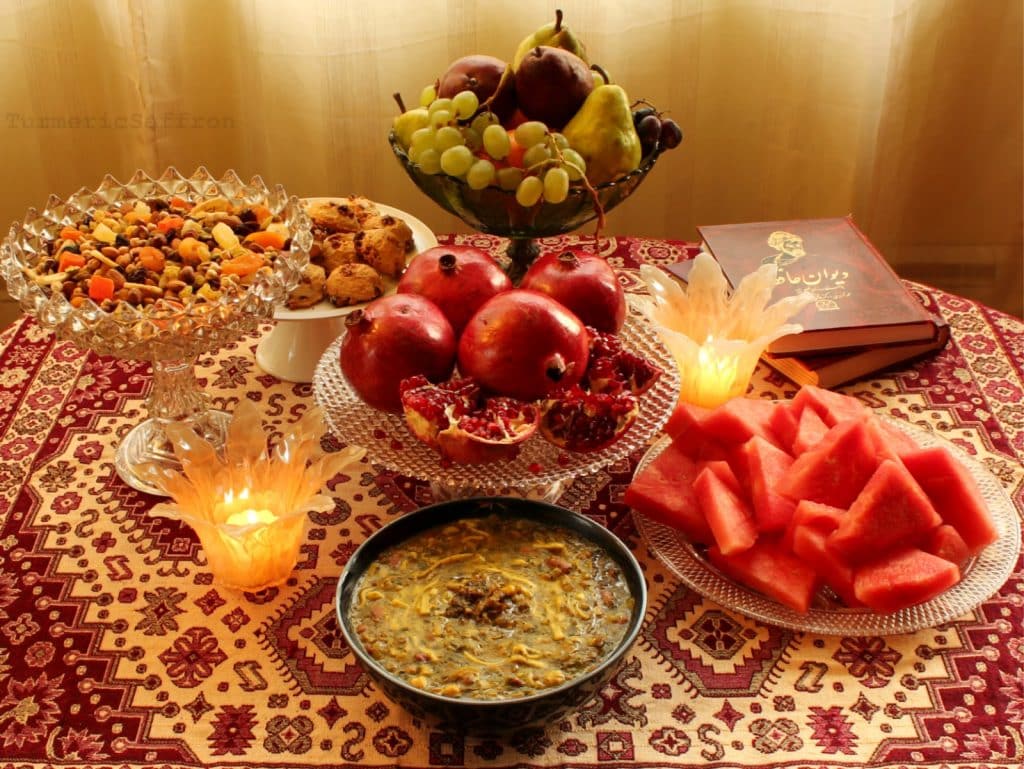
column 906, row 113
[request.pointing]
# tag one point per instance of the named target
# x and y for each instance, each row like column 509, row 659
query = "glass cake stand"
column 541, row 469
column 981, row 577
column 168, row 335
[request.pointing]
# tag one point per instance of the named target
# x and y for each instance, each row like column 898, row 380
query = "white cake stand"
column 293, row 347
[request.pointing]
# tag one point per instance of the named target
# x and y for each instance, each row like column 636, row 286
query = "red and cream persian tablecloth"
column 117, row 649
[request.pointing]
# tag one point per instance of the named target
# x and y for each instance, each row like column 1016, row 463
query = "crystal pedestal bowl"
column 540, row 471
column 494, row 211
column 169, row 334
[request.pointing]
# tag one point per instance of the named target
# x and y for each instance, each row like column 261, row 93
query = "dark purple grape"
column 641, row 113
column 671, row 134
column 649, row 129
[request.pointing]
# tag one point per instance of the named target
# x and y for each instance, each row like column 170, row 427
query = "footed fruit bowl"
column 170, row 320
column 495, row 211
column 539, row 471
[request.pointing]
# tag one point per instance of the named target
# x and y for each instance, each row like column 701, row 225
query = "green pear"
column 552, row 34
column 408, row 123
column 602, row 133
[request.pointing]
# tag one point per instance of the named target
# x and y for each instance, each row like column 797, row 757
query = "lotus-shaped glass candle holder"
column 717, row 336
column 494, row 211
column 247, row 504
column 169, row 334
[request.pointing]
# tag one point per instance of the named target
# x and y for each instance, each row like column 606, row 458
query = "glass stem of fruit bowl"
column 521, row 253
column 175, row 396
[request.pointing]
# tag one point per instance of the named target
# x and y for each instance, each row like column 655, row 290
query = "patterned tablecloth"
column 116, row 648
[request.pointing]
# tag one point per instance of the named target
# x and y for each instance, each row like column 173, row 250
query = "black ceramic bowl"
column 492, row 715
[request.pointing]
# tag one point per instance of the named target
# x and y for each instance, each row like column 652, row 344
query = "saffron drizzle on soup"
column 491, row 608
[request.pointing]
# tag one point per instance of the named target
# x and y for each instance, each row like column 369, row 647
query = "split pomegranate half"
column 459, row 423
column 611, row 367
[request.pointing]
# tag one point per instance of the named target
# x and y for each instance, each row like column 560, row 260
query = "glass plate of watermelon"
column 980, row 578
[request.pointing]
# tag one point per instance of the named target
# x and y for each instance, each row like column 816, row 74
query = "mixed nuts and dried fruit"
column 172, row 249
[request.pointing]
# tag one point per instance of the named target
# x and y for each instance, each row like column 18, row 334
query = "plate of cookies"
column 360, row 250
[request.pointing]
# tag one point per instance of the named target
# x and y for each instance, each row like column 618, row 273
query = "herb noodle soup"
column 491, row 607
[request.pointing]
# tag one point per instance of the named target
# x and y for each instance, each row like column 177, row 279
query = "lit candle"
column 714, row 379
column 249, row 505
column 252, row 546
column 250, row 517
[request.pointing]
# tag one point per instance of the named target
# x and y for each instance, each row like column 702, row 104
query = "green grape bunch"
column 460, row 137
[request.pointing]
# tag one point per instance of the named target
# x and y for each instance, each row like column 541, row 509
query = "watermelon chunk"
column 725, row 473
column 783, row 423
column 954, row 493
column 891, row 511
column 810, row 544
column 711, row 450
column 740, row 419
column 663, row 491
column 766, row 465
column 810, row 431
column 684, row 425
column 737, row 459
column 808, row 513
column 946, row 542
column 832, row 407
column 905, row 577
column 729, row 518
column 770, row 569
column 835, row 470
column 892, row 438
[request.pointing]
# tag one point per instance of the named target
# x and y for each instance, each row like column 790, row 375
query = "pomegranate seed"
column 536, row 467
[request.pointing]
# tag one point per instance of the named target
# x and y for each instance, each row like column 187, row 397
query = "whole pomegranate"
column 524, row 344
column 394, row 338
column 458, row 279
column 584, row 283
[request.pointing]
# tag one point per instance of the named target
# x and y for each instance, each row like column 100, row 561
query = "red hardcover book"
column 860, row 301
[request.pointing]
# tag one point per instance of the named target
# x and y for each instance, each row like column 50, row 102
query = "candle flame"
column 708, row 359
column 249, row 517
